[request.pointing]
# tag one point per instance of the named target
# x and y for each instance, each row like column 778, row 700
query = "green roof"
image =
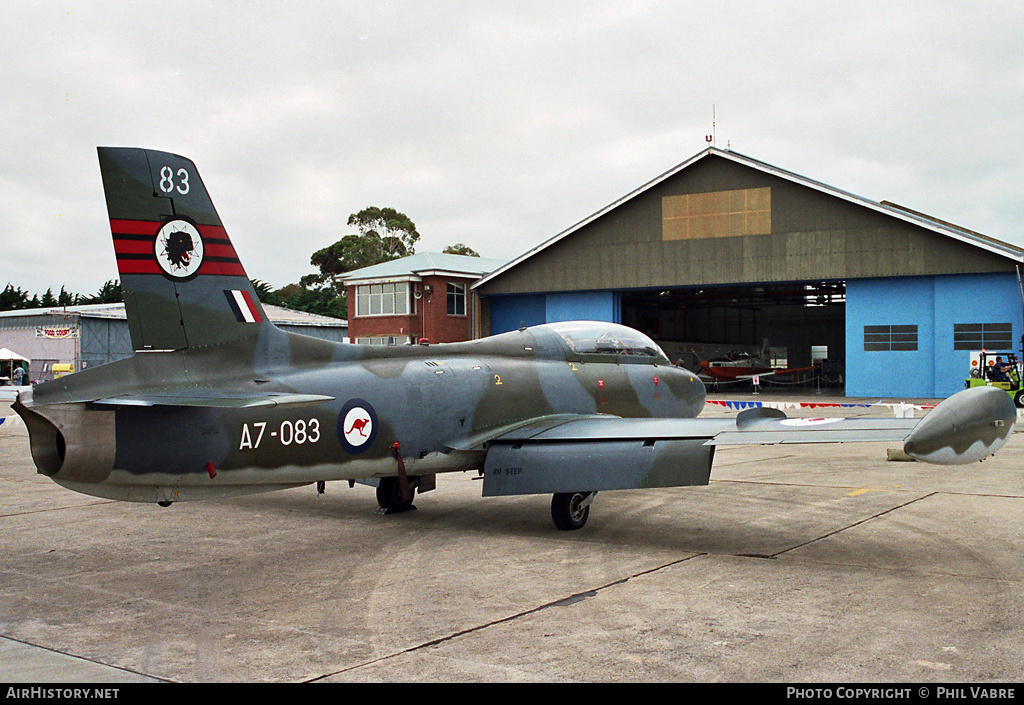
column 426, row 262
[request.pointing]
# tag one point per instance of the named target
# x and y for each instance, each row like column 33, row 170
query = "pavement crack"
column 79, row 657
column 854, row 524
column 50, row 510
column 561, row 602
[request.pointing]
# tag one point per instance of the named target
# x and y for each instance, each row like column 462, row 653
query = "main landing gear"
column 392, row 498
column 570, row 510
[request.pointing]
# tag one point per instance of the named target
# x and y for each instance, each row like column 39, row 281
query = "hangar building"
column 94, row 334
column 726, row 251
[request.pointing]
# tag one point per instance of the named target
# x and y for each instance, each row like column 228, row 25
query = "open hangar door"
column 803, row 322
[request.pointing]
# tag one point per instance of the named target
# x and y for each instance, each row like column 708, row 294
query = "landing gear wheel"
column 570, row 510
column 389, row 496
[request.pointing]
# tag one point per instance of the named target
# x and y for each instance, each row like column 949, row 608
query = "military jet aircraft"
column 217, row 401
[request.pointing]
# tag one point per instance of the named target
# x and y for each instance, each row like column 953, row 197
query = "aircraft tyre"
column 570, row 510
column 389, row 496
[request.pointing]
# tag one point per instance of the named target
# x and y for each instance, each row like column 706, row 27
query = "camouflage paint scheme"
column 218, row 401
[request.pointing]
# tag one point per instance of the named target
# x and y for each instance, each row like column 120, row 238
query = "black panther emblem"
column 179, row 249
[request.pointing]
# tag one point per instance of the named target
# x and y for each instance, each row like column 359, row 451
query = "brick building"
column 427, row 295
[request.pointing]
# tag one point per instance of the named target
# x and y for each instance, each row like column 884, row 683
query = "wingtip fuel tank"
column 968, row 426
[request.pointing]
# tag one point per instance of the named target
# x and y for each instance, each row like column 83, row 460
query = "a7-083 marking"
column 288, row 433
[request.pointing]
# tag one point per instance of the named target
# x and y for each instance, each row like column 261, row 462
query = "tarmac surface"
column 809, row 563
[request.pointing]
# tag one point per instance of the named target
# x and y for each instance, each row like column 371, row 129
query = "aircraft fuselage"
column 439, row 404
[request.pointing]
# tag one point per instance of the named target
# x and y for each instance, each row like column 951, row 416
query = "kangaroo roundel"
column 179, row 249
column 357, row 426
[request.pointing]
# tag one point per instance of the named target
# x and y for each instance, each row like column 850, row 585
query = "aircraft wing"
column 778, row 373
column 606, row 453
column 213, row 398
column 769, row 429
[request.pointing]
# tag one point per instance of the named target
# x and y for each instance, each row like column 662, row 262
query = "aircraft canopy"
column 602, row 338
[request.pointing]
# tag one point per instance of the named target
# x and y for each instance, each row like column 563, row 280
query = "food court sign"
column 56, row 333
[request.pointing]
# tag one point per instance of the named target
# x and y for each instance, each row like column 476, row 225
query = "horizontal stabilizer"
column 212, row 398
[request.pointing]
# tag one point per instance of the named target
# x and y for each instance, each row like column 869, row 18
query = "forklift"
column 1006, row 375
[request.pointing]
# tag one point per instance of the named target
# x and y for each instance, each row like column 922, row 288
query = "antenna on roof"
column 710, row 139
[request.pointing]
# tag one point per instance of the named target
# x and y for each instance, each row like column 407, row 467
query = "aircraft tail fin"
column 183, row 284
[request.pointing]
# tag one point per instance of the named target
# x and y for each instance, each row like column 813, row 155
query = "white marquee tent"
column 8, row 358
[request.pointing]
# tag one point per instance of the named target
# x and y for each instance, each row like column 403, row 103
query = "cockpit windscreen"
column 600, row 338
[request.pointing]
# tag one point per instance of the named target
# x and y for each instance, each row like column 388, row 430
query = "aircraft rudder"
column 183, row 282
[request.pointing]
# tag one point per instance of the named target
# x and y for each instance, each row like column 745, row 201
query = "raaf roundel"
column 217, row 401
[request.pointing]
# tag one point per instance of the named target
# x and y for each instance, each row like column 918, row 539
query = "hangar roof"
column 894, row 210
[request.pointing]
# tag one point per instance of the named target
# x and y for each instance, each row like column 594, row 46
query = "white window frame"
column 456, row 290
column 383, row 299
column 383, row 340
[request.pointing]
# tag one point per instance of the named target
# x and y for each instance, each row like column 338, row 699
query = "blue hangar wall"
column 923, row 318
column 512, row 312
column 901, row 332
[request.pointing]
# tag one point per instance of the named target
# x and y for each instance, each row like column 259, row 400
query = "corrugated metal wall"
column 95, row 340
column 24, row 334
column 932, row 366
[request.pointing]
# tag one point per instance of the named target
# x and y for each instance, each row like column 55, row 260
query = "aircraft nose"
column 687, row 387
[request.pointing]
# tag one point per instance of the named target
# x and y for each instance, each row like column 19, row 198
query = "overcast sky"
column 496, row 124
